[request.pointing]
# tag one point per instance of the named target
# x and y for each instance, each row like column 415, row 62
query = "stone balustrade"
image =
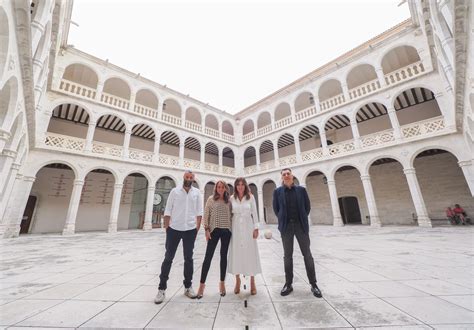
column 264, row 130
column 115, row 101
column 405, row 73
column 365, row 89
column 76, row 89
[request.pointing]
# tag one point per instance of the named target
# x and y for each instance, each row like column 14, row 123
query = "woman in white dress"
column 243, row 252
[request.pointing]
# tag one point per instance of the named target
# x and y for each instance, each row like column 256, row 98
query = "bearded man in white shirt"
column 182, row 220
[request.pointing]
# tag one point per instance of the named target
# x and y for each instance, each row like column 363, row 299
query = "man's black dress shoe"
column 287, row 289
column 316, row 292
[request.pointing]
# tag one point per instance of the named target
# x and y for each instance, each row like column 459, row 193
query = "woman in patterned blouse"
column 217, row 225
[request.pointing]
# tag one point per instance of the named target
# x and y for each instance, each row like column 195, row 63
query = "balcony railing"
column 193, row 126
column 332, row 102
column 365, row 89
column 341, row 147
column 283, row 122
column 146, row 111
column 115, row 101
column 250, row 169
column 228, row 137
column 424, row 127
column 312, row 155
column 211, row 167
column 286, row 161
column 376, row 139
column 191, row 163
column 170, row 119
column 264, row 130
column 248, row 136
column 64, row 142
column 76, row 89
column 228, row 170
column 303, row 114
column 168, row 160
column 142, row 155
column 107, row 149
column 211, row 131
column 268, row 165
column 404, row 73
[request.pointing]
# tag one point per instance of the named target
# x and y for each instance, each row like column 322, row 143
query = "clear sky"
column 227, row 53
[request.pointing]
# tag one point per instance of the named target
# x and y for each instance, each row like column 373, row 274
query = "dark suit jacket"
column 279, row 207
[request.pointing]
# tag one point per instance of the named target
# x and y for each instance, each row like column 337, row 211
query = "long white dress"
column 243, row 252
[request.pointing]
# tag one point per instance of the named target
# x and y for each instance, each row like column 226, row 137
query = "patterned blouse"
column 217, row 214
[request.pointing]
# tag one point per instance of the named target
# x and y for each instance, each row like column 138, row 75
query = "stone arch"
column 147, row 98
column 82, row 74
column 399, row 57
column 303, row 101
column 4, row 40
column 8, row 102
column 282, row 111
column 329, row 89
column 416, row 104
column 227, row 127
column 248, row 127
column 118, row 87
column 264, row 119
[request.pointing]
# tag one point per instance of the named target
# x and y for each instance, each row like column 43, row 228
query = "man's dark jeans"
column 287, row 237
column 173, row 237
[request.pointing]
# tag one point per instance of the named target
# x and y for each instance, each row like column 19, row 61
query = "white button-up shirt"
column 183, row 208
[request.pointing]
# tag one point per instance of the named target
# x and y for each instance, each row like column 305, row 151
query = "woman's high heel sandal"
column 253, row 287
column 237, row 285
column 222, row 288
column 200, row 292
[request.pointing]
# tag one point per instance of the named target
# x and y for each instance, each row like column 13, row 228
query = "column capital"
column 331, row 182
column 92, row 123
column 128, row 131
column 78, row 182
column 365, row 177
column 4, row 135
column 118, row 186
column 16, row 166
column 9, row 153
column 390, row 109
column 409, row 170
column 29, row 178
column 151, row 189
column 464, row 163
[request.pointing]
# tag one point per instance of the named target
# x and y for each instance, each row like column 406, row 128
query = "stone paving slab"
column 371, row 278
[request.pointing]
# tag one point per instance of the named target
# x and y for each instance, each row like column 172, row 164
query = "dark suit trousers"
column 292, row 230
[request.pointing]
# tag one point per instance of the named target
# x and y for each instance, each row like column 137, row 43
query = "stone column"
column 131, row 103
column 149, row 208
column 90, row 136
column 4, row 137
column 336, row 212
column 468, row 171
column 397, row 133
column 355, row 134
column 370, row 198
column 16, row 207
column 345, row 91
column 100, row 88
column 276, row 156
column 10, row 156
column 257, row 159
column 324, row 142
column 156, row 149
column 203, row 158
column 115, row 208
column 297, row 149
column 181, row 152
column 126, row 143
column 220, row 158
column 417, row 197
column 316, row 103
column 70, row 225
column 261, row 208
column 5, row 189
column 380, row 76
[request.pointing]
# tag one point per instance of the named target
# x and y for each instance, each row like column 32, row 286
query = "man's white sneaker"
column 160, row 297
column 189, row 292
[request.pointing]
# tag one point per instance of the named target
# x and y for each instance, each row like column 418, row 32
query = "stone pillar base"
column 112, row 228
column 69, row 229
column 337, row 222
column 375, row 224
column 147, row 226
column 424, row 222
column 12, row 232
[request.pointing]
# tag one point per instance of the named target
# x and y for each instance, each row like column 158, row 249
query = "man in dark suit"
column 291, row 205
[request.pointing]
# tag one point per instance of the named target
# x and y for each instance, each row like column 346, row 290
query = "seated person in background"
column 451, row 216
column 460, row 213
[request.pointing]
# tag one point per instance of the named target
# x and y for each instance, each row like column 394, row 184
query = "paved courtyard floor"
column 392, row 277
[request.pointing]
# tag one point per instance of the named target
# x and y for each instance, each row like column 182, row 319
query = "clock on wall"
column 157, row 199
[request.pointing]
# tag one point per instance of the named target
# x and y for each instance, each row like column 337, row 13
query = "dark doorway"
column 27, row 215
column 350, row 211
